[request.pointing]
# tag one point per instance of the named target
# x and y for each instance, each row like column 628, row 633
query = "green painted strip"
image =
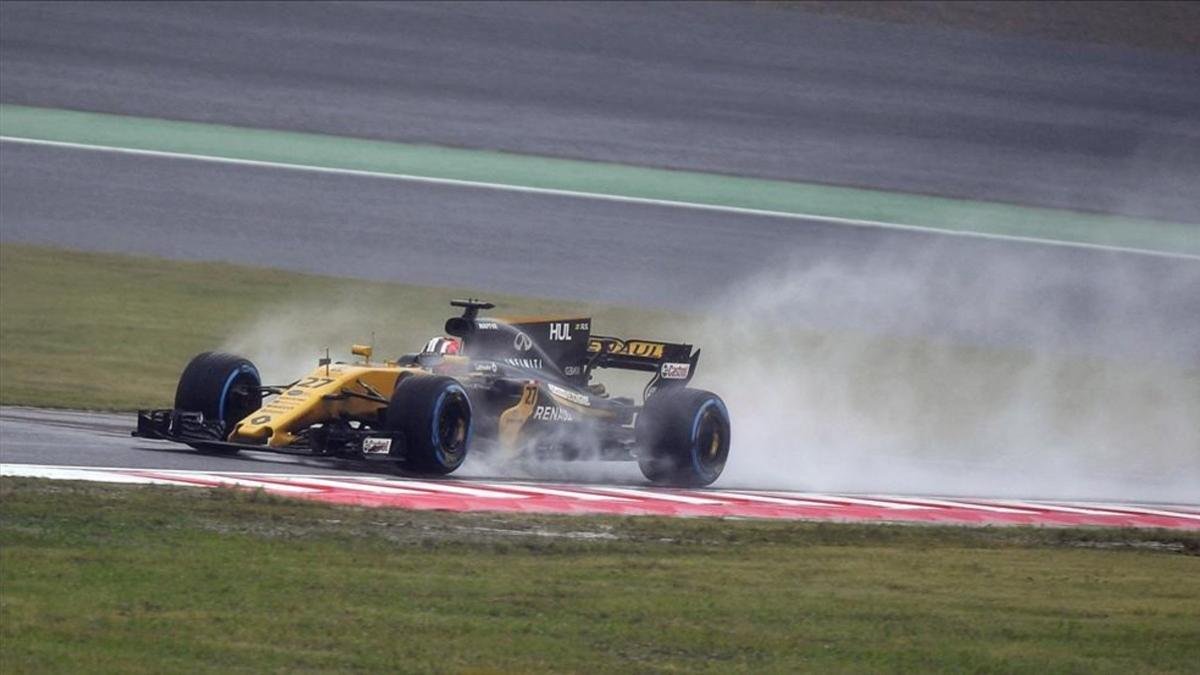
column 334, row 152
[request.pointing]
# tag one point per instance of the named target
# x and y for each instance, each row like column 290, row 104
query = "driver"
column 443, row 345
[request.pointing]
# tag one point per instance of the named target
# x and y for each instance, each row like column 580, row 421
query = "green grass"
column 117, row 579
column 101, row 331
column 134, row 579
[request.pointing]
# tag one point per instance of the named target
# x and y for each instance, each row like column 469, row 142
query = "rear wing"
column 672, row 363
column 566, row 346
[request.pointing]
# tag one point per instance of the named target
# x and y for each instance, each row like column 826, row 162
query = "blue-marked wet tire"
column 434, row 415
column 222, row 386
column 683, row 437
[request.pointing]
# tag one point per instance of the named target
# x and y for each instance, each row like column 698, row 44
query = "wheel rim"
column 241, row 398
column 711, row 446
column 453, row 427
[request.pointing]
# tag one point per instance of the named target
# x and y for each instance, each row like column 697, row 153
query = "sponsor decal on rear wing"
column 668, row 360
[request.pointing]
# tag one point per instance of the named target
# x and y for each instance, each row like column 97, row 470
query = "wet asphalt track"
column 750, row 90
column 741, row 88
column 63, row 437
column 94, row 439
column 893, row 282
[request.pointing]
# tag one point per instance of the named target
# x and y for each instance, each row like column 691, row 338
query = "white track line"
column 197, row 478
column 355, row 486
column 858, row 501
column 247, row 482
column 537, row 489
column 441, row 487
column 766, row 499
column 856, row 222
column 100, row 475
column 1043, row 506
column 950, row 504
column 1134, row 510
column 661, row 496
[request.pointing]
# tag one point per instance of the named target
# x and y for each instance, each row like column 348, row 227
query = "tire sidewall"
column 444, row 398
column 668, row 437
column 704, row 473
column 207, row 382
column 206, row 386
column 416, row 409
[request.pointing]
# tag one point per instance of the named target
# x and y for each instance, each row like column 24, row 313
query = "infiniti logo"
column 522, row 342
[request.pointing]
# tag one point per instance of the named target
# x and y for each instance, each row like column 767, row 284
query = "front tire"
column 434, row 415
column 221, row 386
column 683, row 437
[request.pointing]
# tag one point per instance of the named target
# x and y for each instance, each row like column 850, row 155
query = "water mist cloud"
column 917, row 374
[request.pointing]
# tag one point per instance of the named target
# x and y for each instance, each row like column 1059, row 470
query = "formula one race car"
column 519, row 387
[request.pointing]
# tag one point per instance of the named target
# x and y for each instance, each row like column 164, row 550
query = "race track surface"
column 77, row 438
column 746, row 88
column 749, row 89
column 101, row 440
column 741, row 88
column 90, row 446
column 879, row 280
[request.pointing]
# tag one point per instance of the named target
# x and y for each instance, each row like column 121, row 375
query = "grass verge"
column 103, row 331
column 147, row 579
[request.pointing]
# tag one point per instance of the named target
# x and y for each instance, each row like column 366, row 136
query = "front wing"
column 181, row 426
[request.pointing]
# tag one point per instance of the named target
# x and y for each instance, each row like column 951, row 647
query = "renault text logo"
column 522, row 342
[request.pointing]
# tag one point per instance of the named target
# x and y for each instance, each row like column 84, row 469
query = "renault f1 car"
column 521, row 387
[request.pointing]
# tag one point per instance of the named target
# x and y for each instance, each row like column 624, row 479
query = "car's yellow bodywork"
column 332, row 391
column 361, row 390
column 320, row 396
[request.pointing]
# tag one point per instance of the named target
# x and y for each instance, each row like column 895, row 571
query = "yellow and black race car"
column 518, row 386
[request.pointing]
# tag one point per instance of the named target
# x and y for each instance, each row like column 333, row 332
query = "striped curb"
column 537, row 497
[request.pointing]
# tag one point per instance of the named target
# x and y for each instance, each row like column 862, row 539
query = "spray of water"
column 902, row 373
column 937, row 382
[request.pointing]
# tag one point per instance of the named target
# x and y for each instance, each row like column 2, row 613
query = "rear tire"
column 221, row 386
column 434, row 415
column 683, row 437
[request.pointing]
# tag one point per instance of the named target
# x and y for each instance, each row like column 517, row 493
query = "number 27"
column 314, row 382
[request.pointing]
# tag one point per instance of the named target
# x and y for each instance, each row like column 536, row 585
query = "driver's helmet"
column 443, row 345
